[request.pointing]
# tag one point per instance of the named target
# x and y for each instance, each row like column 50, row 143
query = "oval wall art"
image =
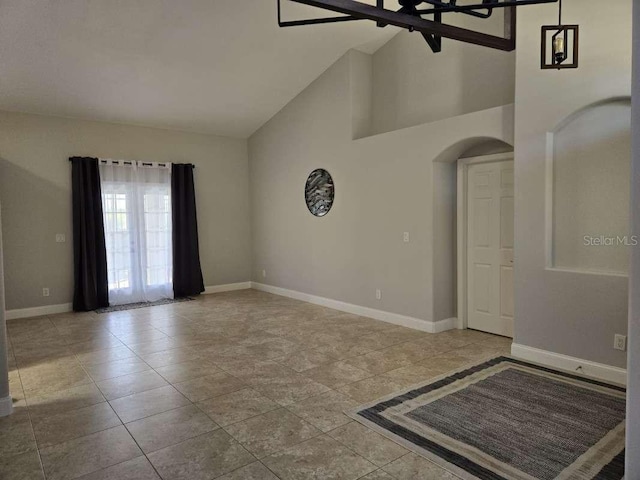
column 319, row 192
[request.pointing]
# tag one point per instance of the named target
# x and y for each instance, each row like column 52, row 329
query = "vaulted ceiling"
column 215, row 66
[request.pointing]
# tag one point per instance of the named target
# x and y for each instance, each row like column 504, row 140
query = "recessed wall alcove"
column 588, row 189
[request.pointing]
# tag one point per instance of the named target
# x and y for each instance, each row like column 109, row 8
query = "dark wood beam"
column 510, row 25
column 435, row 41
column 380, row 4
column 410, row 22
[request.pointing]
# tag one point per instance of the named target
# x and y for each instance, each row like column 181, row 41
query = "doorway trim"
column 463, row 165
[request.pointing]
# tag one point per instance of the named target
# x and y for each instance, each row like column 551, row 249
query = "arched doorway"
column 450, row 226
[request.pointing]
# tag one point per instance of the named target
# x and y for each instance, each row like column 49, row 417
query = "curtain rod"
column 127, row 162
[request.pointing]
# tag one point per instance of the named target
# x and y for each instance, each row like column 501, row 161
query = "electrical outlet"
column 378, row 294
column 60, row 238
column 620, row 342
column 405, row 237
column 264, row 274
column 45, row 292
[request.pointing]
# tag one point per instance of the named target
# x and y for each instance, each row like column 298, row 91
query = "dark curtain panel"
column 187, row 274
column 91, row 288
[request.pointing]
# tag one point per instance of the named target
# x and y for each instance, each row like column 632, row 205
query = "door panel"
column 506, row 292
column 490, row 210
column 482, row 223
column 482, row 298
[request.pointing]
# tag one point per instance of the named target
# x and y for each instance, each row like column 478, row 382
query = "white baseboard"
column 571, row 364
column 394, row 318
column 6, row 406
column 447, row 324
column 230, row 287
column 38, row 311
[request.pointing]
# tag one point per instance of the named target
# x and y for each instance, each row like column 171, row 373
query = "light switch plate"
column 60, row 238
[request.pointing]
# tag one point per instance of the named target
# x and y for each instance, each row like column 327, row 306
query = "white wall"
column 575, row 314
column 384, row 187
column 412, row 85
column 35, row 190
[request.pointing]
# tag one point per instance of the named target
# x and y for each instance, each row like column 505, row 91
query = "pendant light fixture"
column 559, row 45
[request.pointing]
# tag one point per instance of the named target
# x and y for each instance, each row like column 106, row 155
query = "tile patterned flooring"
column 237, row 386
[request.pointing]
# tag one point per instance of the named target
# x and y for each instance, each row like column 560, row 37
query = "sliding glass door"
column 137, row 220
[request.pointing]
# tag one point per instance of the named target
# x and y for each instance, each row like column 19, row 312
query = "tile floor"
column 236, row 386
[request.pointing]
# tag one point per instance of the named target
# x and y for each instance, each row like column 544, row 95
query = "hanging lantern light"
column 559, row 45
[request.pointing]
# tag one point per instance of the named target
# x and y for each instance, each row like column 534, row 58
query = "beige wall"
column 412, row 85
column 384, row 187
column 35, row 191
column 575, row 314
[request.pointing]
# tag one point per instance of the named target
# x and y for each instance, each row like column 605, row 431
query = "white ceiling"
column 214, row 66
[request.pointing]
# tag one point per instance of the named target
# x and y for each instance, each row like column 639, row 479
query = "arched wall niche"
column 588, row 178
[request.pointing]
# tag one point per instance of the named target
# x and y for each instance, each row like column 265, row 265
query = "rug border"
column 433, row 457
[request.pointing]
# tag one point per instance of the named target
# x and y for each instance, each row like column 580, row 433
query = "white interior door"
column 490, row 247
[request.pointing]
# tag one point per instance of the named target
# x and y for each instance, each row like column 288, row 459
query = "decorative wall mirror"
column 319, row 192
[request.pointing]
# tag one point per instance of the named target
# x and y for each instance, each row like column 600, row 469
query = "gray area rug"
column 133, row 306
column 508, row 419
